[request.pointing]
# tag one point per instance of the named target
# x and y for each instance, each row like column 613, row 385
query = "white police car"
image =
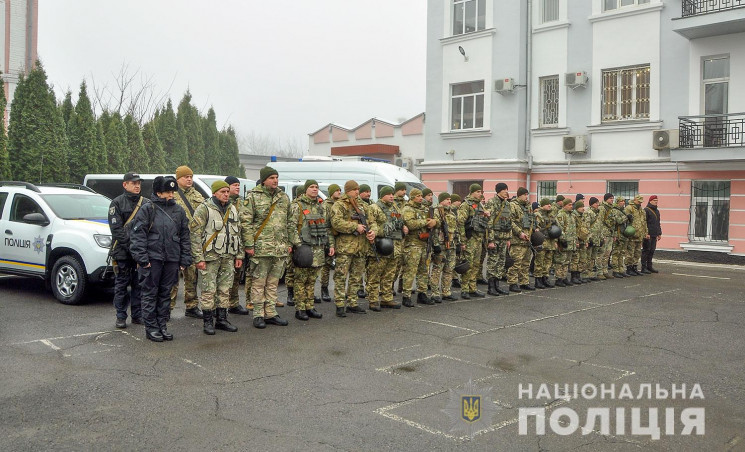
column 58, row 232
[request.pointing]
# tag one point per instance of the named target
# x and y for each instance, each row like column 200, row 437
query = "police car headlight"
column 104, row 241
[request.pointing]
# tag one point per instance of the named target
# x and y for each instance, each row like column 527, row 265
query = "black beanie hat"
column 608, row 196
column 593, row 200
column 230, row 180
column 579, row 196
column 500, row 186
column 522, row 191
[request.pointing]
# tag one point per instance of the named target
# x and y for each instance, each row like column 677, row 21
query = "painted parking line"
column 700, row 276
column 447, row 324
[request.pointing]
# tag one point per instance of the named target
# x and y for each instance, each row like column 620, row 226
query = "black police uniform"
column 160, row 244
column 120, row 210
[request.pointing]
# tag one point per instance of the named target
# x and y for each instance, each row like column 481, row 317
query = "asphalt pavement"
column 394, row 380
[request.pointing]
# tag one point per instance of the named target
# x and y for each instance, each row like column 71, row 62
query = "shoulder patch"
column 112, row 210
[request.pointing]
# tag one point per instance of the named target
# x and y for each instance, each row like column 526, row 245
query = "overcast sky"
column 279, row 67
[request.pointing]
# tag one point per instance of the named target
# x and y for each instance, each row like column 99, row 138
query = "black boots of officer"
column 575, row 279
column 422, row 298
column 238, row 309
column 515, row 288
column 325, row 294
column 539, row 283
column 547, row 283
column 194, row 312
column 209, row 326
column 222, row 321
column 493, row 287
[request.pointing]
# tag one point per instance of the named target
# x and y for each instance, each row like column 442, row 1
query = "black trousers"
column 648, row 248
column 126, row 276
column 156, row 282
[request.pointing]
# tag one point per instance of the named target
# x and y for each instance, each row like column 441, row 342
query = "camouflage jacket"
column 208, row 220
column 192, row 196
column 386, row 220
column 318, row 235
column 543, row 221
column 469, row 208
column 583, row 232
column 595, row 227
column 400, row 203
column 500, row 221
column 610, row 219
column 415, row 218
column 639, row 221
column 446, row 220
column 568, row 227
column 523, row 221
column 344, row 227
column 279, row 231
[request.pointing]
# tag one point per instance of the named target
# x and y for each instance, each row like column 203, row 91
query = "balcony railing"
column 712, row 131
column 698, row 7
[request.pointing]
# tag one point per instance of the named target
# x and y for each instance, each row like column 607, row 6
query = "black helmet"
column 629, row 232
column 537, row 238
column 554, row 232
column 302, row 256
column 384, row 246
column 462, row 267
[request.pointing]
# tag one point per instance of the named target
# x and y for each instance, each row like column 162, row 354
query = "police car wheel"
column 68, row 280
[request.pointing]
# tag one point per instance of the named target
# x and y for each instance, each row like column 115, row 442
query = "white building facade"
column 567, row 97
column 19, row 21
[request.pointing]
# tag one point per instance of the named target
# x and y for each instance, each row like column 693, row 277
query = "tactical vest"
column 478, row 222
column 227, row 240
column 394, row 222
column 503, row 218
column 312, row 226
column 528, row 219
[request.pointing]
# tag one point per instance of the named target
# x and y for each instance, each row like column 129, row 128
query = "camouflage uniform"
column 523, row 221
column 621, row 243
column 415, row 248
column 594, row 227
column 400, row 203
column 639, row 222
column 386, row 221
column 544, row 258
column 583, row 237
column 329, row 260
column 608, row 218
column 351, row 250
column 219, row 254
column 472, row 210
column 195, row 199
column 235, row 201
column 443, row 263
column 309, row 219
column 500, row 232
column 271, row 245
column 568, row 227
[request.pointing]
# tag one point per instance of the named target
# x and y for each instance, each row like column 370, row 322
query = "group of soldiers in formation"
column 429, row 248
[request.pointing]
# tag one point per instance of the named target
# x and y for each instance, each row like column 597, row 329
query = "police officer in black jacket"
column 160, row 244
column 121, row 214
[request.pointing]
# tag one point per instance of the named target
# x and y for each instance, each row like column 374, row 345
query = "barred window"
column 549, row 101
column 467, row 106
column 626, row 93
column 549, row 10
column 546, row 189
column 609, row 5
column 468, row 16
column 710, row 204
column 627, row 189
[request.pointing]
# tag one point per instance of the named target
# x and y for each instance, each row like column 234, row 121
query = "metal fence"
column 712, row 131
column 697, row 7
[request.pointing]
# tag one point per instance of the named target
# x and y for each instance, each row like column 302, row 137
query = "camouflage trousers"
column 605, row 253
column 290, row 274
column 304, row 286
column 495, row 259
column 265, row 273
column 583, row 259
column 543, row 261
column 519, row 272
column 565, row 261
column 595, row 256
column 381, row 275
column 351, row 267
column 441, row 277
column 326, row 271
column 618, row 255
column 634, row 252
column 472, row 253
column 234, row 299
column 216, row 281
column 190, row 289
column 415, row 267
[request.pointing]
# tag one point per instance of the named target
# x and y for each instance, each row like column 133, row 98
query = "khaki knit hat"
column 351, row 185
column 414, row 193
column 182, row 171
column 443, row 196
column 473, row 188
column 218, row 184
column 333, row 188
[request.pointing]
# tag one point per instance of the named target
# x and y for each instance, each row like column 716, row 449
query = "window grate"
column 710, row 206
column 627, row 189
column 549, row 101
column 546, row 189
column 626, row 93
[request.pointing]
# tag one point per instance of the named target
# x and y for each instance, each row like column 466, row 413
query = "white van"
column 374, row 174
column 110, row 185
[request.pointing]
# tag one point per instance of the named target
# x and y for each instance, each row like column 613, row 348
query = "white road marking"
column 699, row 276
column 701, row 264
column 48, row 343
column 188, row 361
column 540, row 319
column 447, row 324
column 625, row 373
column 404, row 348
column 67, row 337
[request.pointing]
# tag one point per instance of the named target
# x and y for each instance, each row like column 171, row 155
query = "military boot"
column 560, row 283
column 209, row 327
column 406, row 301
column 575, row 278
column 644, row 269
column 628, row 271
column 637, row 272
column 539, row 283
column 651, row 269
column 464, row 295
column 582, row 278
column 301, row 315
column 477, row 294
column 222, row 321
column 492, row 287
column 313, row 314
column 499, row 289
column 547, row 283
column 568, row 281
column 456, row 283
column 290, row 296
column 422, row 298
column 194, row 312
column 515, row 288
column 325, row 294
column 238, row 309
column 341, row 311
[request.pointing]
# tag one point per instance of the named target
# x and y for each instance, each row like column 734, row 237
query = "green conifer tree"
column 230, row 163
column 67, row 108
column 85, row 152
column 170, row 138
column 211, row 143
column 137, row 157
column 115, row 136
column 190, row 125
column 154, row 150
column 4, row 162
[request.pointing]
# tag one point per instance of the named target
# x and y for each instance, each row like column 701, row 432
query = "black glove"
column 437, row 249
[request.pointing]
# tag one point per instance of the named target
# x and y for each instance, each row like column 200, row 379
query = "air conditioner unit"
column 404, row 162
column 574, row 144
column 666, row 139
column 504, row 85
column 575, row 79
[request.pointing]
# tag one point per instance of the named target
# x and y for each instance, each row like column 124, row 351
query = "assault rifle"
column 362, row 218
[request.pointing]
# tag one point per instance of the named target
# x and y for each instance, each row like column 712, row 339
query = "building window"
column 709, row 211
column 546, row 189
column 467, row 106
column 715, row 81
column 462, row 187
column 610, row 5
column 549, row 101
column 626, row 93
column 468, row 16
column 627, row 189
column 549, row 10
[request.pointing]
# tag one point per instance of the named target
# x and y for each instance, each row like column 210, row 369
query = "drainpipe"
column 528, row 83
